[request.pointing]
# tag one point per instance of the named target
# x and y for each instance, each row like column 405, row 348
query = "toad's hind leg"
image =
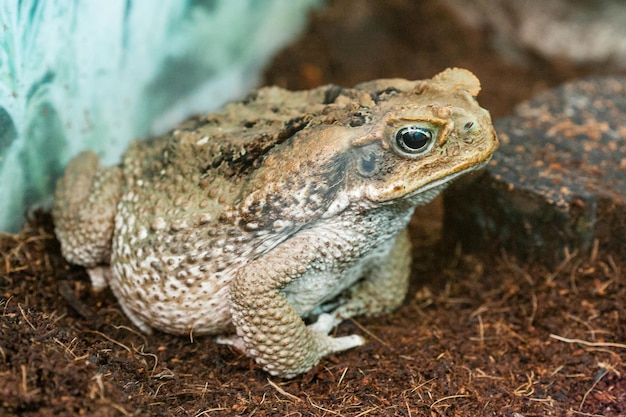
column 86, row 198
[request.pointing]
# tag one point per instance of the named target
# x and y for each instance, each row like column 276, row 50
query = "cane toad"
column 284, row 205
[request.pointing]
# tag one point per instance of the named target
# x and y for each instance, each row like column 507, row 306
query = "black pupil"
column 413, row 138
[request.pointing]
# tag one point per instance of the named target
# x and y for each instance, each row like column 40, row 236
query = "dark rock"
column 558, row 180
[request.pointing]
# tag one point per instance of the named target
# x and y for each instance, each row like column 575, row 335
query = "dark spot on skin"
column 157, row 266
column 332, row 93
column 219, row 159
column 250, row 98
column 384, row 94
column 358, row 119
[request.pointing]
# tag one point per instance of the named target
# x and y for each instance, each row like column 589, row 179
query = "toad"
column 282, row 207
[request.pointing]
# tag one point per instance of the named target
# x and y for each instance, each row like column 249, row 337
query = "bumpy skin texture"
column 282, row 206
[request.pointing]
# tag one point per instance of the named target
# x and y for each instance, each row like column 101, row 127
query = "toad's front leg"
column 268, row 327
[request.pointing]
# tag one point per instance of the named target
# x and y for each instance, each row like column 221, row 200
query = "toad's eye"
column 414, row 139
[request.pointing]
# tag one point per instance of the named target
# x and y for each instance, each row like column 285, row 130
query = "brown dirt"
column 479, row 334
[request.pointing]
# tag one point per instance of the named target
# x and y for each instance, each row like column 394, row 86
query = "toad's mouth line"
column 442, row 182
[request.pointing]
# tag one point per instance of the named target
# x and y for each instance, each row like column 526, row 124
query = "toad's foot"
column 325, row 324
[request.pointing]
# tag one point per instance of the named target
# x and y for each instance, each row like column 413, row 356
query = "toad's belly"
column 171, row 304
column 318, row 287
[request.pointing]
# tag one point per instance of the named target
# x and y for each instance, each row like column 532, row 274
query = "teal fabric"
column 96, row 74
